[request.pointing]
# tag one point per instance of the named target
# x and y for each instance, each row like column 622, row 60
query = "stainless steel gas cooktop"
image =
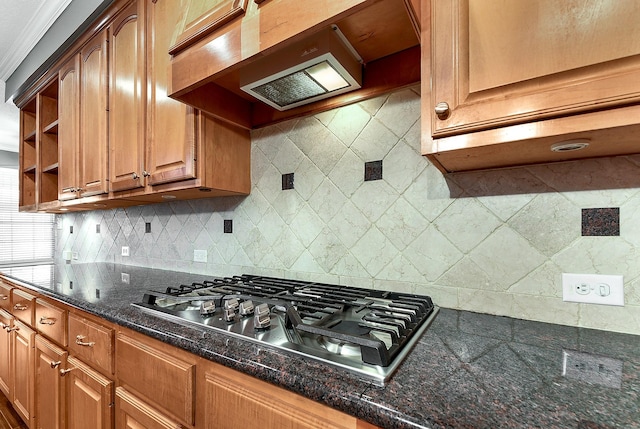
column 367, row 332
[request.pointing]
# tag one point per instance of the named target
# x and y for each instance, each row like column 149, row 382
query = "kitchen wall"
column 493, row 242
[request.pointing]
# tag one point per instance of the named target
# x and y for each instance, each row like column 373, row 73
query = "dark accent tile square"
column 601, row 222
column 287, row 181
column 372, row 170
column 70, row 229
column 228, row 226
column 147, row 227
column 97, row 228
column 98, row 293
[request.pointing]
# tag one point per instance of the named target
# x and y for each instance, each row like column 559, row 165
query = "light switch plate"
column 125, row 250
column 593, row 288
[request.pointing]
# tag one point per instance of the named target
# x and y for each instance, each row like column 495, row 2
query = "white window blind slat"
column 25, row 238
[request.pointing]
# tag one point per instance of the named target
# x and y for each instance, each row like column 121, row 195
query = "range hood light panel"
column 327, row 76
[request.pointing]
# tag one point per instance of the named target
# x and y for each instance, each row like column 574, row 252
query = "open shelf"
column 52, row 128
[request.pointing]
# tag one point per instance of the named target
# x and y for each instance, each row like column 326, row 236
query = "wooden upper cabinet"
column 497, row 63
column 68, row 128
column 201, row 17
column 93, row 116
column 171, row 125
column 126, row 98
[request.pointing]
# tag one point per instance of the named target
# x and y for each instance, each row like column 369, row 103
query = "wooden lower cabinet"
column 50, row 392
column 234, row 401
column 6, row 321
column 22, row 349
column 89, row 396
column 133, row 413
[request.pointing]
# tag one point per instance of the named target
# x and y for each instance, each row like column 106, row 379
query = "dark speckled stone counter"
column 467, row 371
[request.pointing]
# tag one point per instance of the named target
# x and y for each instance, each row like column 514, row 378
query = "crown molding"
column 32, row 32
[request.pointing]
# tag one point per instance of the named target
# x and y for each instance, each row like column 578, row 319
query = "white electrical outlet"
column 593, row 288
column 125, row 250
column 75, row 256
column 200, row 256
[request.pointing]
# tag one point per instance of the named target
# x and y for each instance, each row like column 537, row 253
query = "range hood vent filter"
column 322, row 68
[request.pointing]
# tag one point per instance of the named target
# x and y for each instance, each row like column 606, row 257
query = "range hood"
column 311, row 70
column 260, row 67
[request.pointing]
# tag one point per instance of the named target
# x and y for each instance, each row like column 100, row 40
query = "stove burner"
column 365, row 331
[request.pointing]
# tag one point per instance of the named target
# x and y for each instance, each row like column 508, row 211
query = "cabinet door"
column 68, row 128
column 498, row 63
column 89, row 396
column 5, row 353
column 228, row 391
column 171, row 125
column 49, row 388
column 126, row 99
column 132, row 413
column 93, row 116
column 23, row 371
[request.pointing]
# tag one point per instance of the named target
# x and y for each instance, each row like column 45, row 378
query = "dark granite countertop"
column 468, row 370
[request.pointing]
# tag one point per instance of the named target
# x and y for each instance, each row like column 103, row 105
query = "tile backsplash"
column 493, row 242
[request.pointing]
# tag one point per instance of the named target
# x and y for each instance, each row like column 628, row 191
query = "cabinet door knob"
column 442, row 110
column 9, row 329
column 79, row 341
column 3, row 326
column 55, row 364
column 146, row 173
column 135, row 176
column 47, row 320
column 20, row 307
column 69, row 190
column 4, row 297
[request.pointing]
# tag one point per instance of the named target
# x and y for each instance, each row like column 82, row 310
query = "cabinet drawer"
column 51, row 321
column 162, row 379
column 92, row 342
column 5, row 296
column 23, row 305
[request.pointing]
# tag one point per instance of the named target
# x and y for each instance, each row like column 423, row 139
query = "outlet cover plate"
column 593, row 288
column 199, row 256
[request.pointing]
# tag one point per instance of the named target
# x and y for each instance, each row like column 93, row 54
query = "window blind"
column 25, row 238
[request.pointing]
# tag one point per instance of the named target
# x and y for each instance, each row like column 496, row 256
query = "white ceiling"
column 22, row 25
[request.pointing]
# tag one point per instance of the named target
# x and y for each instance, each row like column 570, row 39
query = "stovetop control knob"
column 230, row 308
column 207, row 308
column 246, row 308
column 262, row 319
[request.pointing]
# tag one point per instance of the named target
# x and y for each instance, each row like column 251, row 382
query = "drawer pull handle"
column 55, row 364
column 64, row 372
column 20, row 307
column 44, row 320
column 4, row 297
column 3, row 326
column 79, row 341
column 9, row 329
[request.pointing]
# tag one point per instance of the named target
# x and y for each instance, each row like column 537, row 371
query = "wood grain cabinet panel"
column 6, row 321
column 93, row 116
column 23, row 306
column 127, row 98
column 22, row 365
column 89, row 396
column 165, row 379
column 69, row 128
column 511, row 79
column 50, row 392
column 234, row 400
column 92, row 342
column 171, row 125
column 133, row 413
column 51, row 321
column 5, row 296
